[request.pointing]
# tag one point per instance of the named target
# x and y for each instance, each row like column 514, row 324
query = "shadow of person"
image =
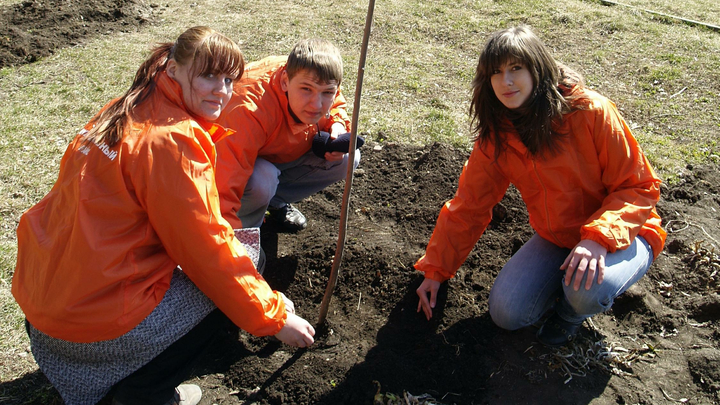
column 279, row 271
column 470, row 361
column 30, row 389
column 224, row 350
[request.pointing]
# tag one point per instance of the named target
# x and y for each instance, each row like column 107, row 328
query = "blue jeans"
column 531, row 283
column 277, row 184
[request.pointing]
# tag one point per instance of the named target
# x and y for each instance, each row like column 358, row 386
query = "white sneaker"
column 186, row 394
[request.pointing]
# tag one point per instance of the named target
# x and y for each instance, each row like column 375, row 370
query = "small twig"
column 30, row 84
column 669, row 398
column 359, row 299
column 652, row 117
column 679, row 92
column 668, row 229
column 449, row 393
column 688, row 224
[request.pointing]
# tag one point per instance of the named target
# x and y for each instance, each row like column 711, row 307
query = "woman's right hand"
column 296, row 332
column 289, row 306
column 428, row 286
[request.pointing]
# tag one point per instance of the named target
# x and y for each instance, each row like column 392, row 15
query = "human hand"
column 337, row 129
column 289, row 306
column 428, row 286
column 587, row 256
column 334, row 156
column 296, row 332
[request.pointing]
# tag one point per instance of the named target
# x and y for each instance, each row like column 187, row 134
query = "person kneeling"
column 589, row 190
column 126, row 268
column 281, row 105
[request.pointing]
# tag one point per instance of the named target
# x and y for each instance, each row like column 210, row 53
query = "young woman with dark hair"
column 588, row 187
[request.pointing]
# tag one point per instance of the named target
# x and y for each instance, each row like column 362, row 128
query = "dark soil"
column 35, row 29
column 663, row 332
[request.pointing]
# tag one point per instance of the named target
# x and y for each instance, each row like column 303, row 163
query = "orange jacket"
column 259, row 114
column 600, row 187
column 96, row 255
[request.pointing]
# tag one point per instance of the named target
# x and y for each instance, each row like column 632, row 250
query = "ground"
column 34, row 29
column 658, row 344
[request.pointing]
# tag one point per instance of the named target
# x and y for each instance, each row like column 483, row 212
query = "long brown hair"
column 207, row 50
column 538, row 119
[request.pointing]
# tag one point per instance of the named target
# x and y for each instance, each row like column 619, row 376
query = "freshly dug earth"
column 34, row 29
column 658, row 344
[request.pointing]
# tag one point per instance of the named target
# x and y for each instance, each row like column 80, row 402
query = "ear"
column 171, row 68
column 284, row 81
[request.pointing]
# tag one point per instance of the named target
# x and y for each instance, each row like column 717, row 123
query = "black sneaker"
column 288, row 217
column 557, row 332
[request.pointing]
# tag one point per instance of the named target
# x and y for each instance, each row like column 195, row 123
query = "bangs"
column 218, row 55
column 325, row 66
column 318, row 57
column 506, row 48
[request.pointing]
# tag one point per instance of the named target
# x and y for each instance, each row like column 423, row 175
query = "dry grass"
column 664, row 75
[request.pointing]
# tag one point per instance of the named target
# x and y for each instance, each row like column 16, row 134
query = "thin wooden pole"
column 335, row 270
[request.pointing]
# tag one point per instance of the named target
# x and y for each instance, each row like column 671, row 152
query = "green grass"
column 664, row 75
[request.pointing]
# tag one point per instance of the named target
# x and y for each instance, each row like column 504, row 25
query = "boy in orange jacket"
column 279, row 105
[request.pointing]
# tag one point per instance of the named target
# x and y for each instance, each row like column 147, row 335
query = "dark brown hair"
column 538, row 119
column 207, row 50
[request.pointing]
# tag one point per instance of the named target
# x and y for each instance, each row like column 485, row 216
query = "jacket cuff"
column 599, row 239
column 434, row 275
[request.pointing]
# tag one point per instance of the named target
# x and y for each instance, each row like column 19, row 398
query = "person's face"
column 204, row 96
column 309, row 100
column 512, row 84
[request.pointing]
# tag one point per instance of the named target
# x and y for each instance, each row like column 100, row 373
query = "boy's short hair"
column 318, row 56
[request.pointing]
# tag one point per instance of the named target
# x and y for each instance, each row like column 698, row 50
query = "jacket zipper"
column 545, row 195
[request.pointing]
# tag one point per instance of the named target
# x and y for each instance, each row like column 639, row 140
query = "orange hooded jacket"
column 599, row 187
column 259, row 114
column 96, row 255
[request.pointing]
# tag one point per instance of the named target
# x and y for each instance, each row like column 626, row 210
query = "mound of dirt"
column 34, row 29
column 659, row 341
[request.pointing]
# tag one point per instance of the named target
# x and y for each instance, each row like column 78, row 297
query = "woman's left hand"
column 586, row 256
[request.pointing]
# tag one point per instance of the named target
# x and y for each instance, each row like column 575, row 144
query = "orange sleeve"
column 463, row 219
column 236, row 155
column 181, row 200
column 632, row 185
